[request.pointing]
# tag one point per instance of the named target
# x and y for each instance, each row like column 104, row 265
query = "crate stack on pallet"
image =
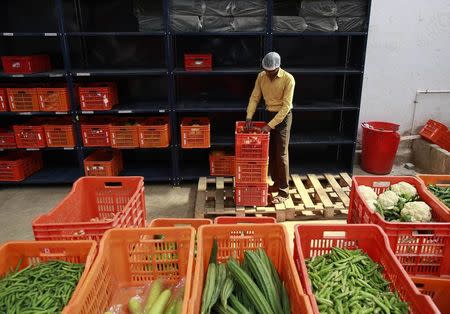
column 252, row 161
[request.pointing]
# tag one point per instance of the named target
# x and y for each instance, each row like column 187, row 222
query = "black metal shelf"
column 211, row 106
column 131, row 108
column 322, row 70
column 34, row 113
column 80, row 34
column 215, row 34
column 29, row 34
column 317, row 138
column 51, row 74
column 119, row 72
column 324, row 106
column 310, row 34
column 41, row 149
column 86, row 148
column 219, row 71
column 50, row 176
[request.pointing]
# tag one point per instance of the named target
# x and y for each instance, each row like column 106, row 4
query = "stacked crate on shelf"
column 103, row 163
column 30, row 135
column 195, row 133
column 26, row 64
column 252, row 160
column 23, row 99
column 17, row 166
column 7, row 138
column 3, row 100
column 59, row 133
column 222, row 164
column 154, row 132
column 124, row 133
column 95, row 133
column 53, row 98
column 98, row 96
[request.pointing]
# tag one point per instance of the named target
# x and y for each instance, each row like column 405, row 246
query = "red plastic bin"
column 3, row 100
column 230, row 220
column 30, row 136
column 7, row 139
column 17, row 166
column 59, row 135
column 23, row 99
column 421, row 248
column 432, row 130
column 98, row 96
column 251, row 171
column 251, row 145
column 124, row 135
column 311, row 241
column 53, row 99
column 96, row 134
column 438, row 289
column 439, row 179
column 180, row 222
column 29, row 253
column 94, row 205
column 26, row 64
column 198, row 62
column 444, row 140
column 195, row 133
column 251, row 195
column 234, row 240
column 154, row 132
column 222, row 164
column 103, row 163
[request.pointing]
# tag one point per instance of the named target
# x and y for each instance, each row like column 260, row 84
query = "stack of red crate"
column 252, row 160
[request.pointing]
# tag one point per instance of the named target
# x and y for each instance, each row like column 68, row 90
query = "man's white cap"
column 271, row 61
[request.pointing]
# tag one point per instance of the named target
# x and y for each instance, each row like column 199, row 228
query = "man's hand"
column 266, row 128
column 248, row 124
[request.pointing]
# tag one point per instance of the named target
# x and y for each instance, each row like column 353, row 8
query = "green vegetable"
column 179, row 306
column 155, row 290
column 220, row 281
column 227, row 290
column 249, row 287
column 349, row 281
column 40, row 288
column 443, row 193
column 135, row 305
column 209, row 288
column 161, row 302
column 238, row 305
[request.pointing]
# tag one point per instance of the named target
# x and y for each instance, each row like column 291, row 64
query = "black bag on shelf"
column 249, row 24
column 321, row 24
column 246, row 8
column 319, row 8
column 285, row 7
column 145, row 7
column 289, row 24
column 150, row 23
column 187, row 7
column 218, row 7
column 185, row 23
column 351, row 8
column 217, row 23
column 351, row 24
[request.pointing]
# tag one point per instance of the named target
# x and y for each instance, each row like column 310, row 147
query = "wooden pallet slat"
column 220, row 194
column 308, row 203
column 337, row 189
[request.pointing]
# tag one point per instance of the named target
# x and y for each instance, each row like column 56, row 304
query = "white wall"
column 408, row 50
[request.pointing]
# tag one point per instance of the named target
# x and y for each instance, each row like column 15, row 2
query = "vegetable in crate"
column 443, row 193
column 40, row 288
column 349, row 281
column 367, row 192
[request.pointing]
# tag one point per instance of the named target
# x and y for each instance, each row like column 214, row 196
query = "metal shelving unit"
column 97, row 41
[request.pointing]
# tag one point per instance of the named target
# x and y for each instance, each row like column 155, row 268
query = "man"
column 277, row 88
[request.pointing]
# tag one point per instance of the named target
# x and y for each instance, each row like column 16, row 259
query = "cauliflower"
column 416, row 212
column 372, row 204
column 367, row 192
column 388, row 199
column 404, row 189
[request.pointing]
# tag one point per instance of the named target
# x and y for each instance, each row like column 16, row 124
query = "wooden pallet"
column 310, row 197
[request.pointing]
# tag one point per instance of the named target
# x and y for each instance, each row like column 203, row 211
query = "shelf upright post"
column 70, row 86
column 171, row 93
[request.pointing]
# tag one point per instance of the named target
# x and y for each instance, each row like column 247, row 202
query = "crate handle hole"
column 423, row 232
column 159, row 237
column 113, row 184
column 334, row 234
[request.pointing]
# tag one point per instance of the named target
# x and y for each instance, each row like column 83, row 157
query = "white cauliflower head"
column 367, row 192
column 388, row 199
column 371, row 204
column 404, row 188
column 417, row 211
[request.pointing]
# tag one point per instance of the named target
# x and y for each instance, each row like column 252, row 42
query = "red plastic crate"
column 23, row 99
column 421, row 248
column 95, row 205
column 438, row 289
column 103, row 163
column 96, row 135
column 26, row 64
column 154, row 132
column 7, row 139
column 251, row 195
column 180, row 222
column 251, row 145
column 229, row 220
column 17, row 166
column 123, row 135
column 59, row 135
column 53, row 99
column 311, row 241
column 222, row 164
column 198, row 62
column 444, row 140
column 440, row 179
column 251, row 171
column 98, row 96
column 30, row 136
column 3, row 100
column 432, row 130
column 195, row 133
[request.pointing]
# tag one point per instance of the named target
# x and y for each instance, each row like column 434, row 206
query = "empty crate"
column 195, row 133
column 154, row 132
column 98, row 96
column 221, row 164
column 124, row 134
column 23, row 99
column 59, row 135
column 7, row 139
column 96, row 134
column 17, row 166
column 53, row 99
column 30, row 136
column 3, row 100
column 103, row 163
column 26, row 64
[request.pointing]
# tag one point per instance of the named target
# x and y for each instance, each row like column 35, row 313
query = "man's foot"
column 280, row 199
column 273, row 189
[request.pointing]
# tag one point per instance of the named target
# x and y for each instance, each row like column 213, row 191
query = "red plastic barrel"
column 379, row 145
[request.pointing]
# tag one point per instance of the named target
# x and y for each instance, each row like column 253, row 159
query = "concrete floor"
column 20, row 205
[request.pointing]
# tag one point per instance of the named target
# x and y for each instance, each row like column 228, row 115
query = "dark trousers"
column 279, row 153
